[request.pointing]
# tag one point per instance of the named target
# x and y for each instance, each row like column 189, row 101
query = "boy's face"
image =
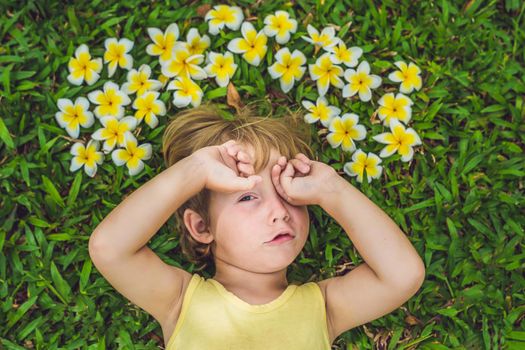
column 243, row 222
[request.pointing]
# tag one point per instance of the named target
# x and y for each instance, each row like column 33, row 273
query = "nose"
column 279, row 208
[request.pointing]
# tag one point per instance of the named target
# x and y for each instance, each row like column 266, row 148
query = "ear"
column 196, row 226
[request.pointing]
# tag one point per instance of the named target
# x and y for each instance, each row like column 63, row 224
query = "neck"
column 254, row 283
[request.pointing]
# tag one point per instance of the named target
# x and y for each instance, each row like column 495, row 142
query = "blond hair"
column 195, row 128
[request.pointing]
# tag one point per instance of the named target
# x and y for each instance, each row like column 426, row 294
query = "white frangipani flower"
column 288, row 67
column 196, row 44
column 341, row 54
column 252, row 45
column 82, row 67
column 117, row 54
column 148, row 107
column 163, row 43
column 184, row 64
column 326, row 73
column 408, row 76
column 73, row 115
column 361, row 81
column 186, row 92
column 344, row 130
column 220, row 66
column 86, row 156
column 223, row 15
column 132, row 155
column 114, row 131
column 139, row 82
column 110, row 100
column 326, row 39
column 280, row 25
column 320, row 111
column 399, row 139
column 361, row 162
column 398, row 107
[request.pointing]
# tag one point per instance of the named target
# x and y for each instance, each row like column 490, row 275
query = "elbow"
column 417, row 276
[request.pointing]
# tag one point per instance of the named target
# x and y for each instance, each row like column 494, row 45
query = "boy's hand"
column 227, row 167
column 300, row 181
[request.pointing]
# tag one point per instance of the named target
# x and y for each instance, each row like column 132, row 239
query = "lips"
column 281, row 233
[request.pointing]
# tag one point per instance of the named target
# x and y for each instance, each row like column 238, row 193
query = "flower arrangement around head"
column 183, row 64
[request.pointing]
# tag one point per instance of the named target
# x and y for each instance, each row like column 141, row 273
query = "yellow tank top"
column 212, row 318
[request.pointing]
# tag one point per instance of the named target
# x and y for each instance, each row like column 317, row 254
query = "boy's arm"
column 392, row 272
column 118, row 247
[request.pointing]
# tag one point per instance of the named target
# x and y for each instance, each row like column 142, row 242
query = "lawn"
column 459, row 198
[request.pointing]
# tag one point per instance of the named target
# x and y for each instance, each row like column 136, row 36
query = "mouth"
column 282, row 237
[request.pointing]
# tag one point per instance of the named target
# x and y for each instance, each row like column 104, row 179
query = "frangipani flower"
column 148, row 106
column 117, row 53
column 87, row 156
column 132, row 155
column 139, row 82
column 186, row 92
column 325, row 40
column 114, row 131
column 326, row 73
column 288, row 67
column 342, row 54
column 320, row 111
column 223, row 15
column 400, row 139
column 182, row 63
column 110, row 101
column 395, row 107
column 196, row 44
column 71, row 116
column 361, row 81
column 343, row 130
column 280, row 25
column 163, row 43
column 252, row 45
column 360, row 162
column 220, row 66
column 408, row 76
column 82, row 67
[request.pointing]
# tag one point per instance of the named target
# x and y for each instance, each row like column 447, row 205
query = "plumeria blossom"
column 326, row 39
column 288, row 67
column 182, row 63
column 196, row 44
column 398, row 107
column 320, row 111
column 132, row 155
column 110, row 100
column 220, row 66
column 342, row 54
column 280, row 25
column 408, row 76
column 186, row 92
column 82, row 67
column 252, row 45
column 223, row 15
column 139, row 81
column 148, row 107
column 361, row 81
column 326, row 73
column 117, row 54
column 73, row 115
column 163, row 43
column 360, row 162
column 344, row 130
column 114, row 131
column 399, row 139
column 87, row 156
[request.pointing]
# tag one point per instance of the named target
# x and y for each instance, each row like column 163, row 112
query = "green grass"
column 460, row 200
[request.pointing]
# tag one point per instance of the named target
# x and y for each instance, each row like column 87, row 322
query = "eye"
column 245, row 196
